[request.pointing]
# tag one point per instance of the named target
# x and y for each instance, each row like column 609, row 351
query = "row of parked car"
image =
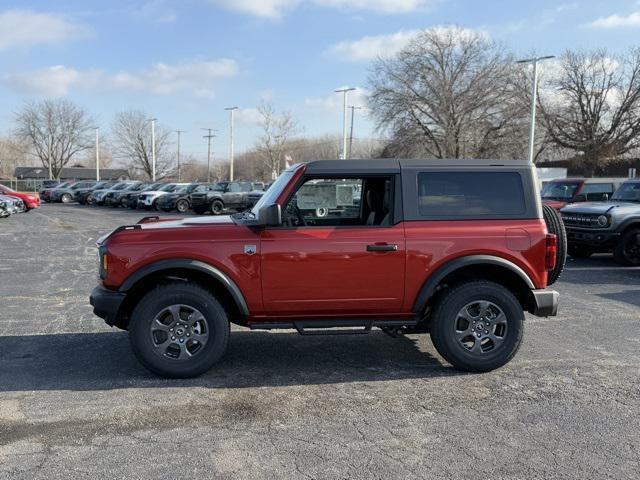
column 215, row 198
column 12, row 202
column 599, row 215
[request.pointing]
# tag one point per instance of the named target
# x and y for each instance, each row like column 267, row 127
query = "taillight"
column 552, row 249
column 103, row 257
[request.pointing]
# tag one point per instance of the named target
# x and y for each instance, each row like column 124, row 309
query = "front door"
column 337, row 252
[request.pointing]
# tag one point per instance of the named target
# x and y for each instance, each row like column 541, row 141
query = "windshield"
column 169, row 187
column 559, row 190
column 628, row 192
column 63, row 185
column 121, row 186
column 271, row 195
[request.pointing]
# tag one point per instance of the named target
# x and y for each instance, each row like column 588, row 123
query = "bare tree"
column 277, row 129
column 131, row 133
column 446, row 95
column 13, row 154
column 55, row 131
column 591, row 106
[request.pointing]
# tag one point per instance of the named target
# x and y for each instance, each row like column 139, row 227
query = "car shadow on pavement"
column 102, row 361
column 632, row 297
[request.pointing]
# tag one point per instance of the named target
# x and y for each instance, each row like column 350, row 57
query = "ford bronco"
column 456, row 249
column 612, row 226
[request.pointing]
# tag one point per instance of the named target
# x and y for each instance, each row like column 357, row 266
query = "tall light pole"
column 97, row 154
column 153, row 148
column 231, row 110
column 353, row 111
column 209, row 136
column 50, row 152
column 179, row 132
column 344, row 92
column 534, row 99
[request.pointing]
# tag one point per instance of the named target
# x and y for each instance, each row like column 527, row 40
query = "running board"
column 333, row 326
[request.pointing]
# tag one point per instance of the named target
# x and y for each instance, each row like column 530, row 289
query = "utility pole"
column 153, row 148
column 353, row 109
column 97, row 154
column 231, row 152
column 179, row 132
column 209, row 137
column 534, row 100
column 344, row 92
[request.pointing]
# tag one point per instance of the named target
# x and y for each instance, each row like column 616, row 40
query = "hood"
column 154, row 192
column 557, row 204
column 602, row 207
column 190, row 222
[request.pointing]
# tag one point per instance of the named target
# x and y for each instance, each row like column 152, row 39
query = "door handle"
column 382, row 247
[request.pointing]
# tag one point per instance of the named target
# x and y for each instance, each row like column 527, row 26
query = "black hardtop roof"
column 389, row 165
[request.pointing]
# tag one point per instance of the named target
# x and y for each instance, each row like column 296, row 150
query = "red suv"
column 31, row 200
column 457, row 249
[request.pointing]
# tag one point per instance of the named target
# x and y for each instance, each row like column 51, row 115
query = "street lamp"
column 534, row 98
column 153, row 148
column 344, row 92
column 353, row 113
column 231, row 110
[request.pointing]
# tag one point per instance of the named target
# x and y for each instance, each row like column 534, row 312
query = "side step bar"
column 333, row 326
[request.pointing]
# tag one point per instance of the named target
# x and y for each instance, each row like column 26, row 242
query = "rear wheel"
column 179, row 330
column 555, row 225
column 477, row 326
column 182, row 206
column 627, row 251
column 217, row 207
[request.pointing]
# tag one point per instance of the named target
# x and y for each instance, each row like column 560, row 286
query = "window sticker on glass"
column 315, row 196
column 344, row 195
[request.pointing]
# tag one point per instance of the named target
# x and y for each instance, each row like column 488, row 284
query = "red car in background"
column 560, row 192
column 31, row 200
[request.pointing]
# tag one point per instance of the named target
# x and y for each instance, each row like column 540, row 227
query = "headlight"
column 603, row 220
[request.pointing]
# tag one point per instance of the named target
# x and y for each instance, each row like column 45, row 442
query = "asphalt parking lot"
column 74, row 403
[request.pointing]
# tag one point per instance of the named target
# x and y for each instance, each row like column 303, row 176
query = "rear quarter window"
column 470, row 195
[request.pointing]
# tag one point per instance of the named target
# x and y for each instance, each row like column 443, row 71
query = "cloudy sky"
column 185, row 60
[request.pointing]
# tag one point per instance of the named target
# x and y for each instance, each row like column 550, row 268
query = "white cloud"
column 162, row 78
column 617, row 21
column 24, row 28
column 277, row 8
column 383, row 6
column 197, row 77
column 248, row 115
column 333, row 101
column 260, row 8
column 371, row 47
column 157, row 11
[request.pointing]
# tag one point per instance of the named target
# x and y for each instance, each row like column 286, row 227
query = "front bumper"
column 106, row 303
column 545, row 303
column 603, row 239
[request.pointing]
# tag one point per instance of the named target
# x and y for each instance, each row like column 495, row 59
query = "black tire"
column 555, row 225
column 627, row 251
column 187, row 295
column 199, row 210
column 217, row 207
column 182, row 206
column 491, row 355
column 579, row 251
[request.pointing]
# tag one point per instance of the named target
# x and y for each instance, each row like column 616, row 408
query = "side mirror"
column 270, row 215
column 605, row 197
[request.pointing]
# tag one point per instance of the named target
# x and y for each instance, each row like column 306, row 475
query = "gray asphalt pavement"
column 74, row 403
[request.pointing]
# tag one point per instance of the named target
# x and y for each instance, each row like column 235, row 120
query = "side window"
column 233, row 188
column 470, row 195
column 245, row 187
column 341, row 202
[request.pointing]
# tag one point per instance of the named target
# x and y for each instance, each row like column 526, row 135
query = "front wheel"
column 627, row 251
column 179, row 330
column 66, row 198
column 477, row 326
